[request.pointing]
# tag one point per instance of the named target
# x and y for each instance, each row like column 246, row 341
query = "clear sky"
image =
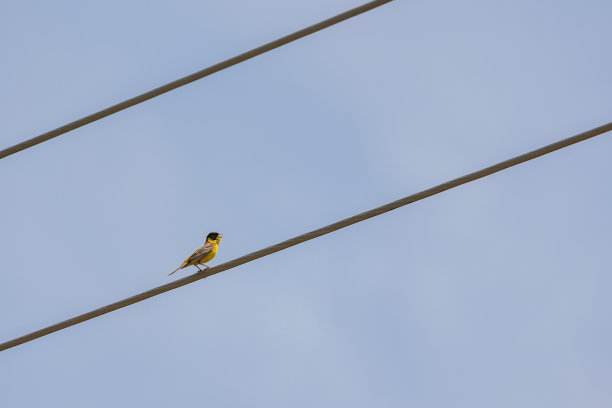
column 496, row 293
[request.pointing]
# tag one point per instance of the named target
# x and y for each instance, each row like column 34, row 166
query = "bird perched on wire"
column 203, row 254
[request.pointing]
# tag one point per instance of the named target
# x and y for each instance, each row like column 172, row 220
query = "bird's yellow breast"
column 209, row 255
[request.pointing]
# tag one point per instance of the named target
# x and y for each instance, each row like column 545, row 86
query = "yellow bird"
column 203, row 254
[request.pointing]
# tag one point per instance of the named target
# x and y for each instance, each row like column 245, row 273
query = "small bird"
column 203, row 254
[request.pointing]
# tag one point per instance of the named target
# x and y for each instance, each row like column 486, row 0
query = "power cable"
column 190, row 78
column 310, row 235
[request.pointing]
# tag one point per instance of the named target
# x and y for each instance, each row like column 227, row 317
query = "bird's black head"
column 213, row 236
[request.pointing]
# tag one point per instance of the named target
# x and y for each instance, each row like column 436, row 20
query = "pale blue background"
column 495, row 294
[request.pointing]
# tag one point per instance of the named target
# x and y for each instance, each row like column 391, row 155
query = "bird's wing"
column 200, row 253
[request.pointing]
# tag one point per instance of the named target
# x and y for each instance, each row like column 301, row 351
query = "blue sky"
column 493, row 294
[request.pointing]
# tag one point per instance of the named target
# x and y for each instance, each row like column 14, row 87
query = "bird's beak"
column 220, row 235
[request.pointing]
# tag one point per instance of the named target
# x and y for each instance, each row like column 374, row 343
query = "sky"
column 496, row 293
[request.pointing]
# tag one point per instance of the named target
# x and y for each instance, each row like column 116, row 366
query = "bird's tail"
column 180, row 267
